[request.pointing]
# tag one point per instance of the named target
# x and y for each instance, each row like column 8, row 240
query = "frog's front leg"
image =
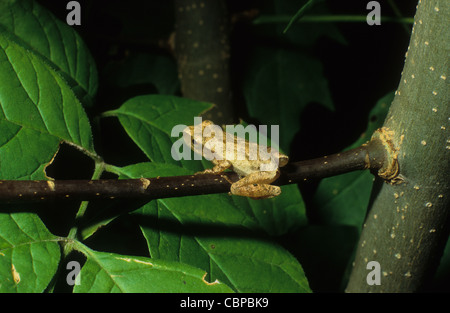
column 257, row 185
column 219, row 167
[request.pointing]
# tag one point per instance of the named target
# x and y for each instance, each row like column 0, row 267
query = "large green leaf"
column 214, row 233
column 29, row 253
column 38, row 110
column 343, row 199
column 279, row 85
column 109, row 272
column 51, row 38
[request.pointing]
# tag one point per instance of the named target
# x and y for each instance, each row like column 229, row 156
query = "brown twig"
column 369, row 156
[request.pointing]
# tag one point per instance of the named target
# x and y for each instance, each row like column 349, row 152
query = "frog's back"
column 244, row 167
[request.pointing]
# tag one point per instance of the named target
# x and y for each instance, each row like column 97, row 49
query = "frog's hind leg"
column 257, row 185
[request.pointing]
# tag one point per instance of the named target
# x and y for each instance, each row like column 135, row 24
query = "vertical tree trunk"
column 407, row 225
column 202, row 50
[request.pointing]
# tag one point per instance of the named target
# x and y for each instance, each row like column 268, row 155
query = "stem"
column 99, row 167
column 73, row 233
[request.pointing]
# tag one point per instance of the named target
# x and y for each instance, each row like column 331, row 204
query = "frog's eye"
column 194, row 142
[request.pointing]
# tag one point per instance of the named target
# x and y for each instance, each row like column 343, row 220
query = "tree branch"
column 372, row 155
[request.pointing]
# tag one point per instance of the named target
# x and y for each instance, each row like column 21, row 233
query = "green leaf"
column 52, row 39
column 188, row 230
column 38, row 110
column 109, row 272
column 19, row 163
column 149, row 120
column 276, row 216
column 343, row 199
column 279, row 85
column 180, row 230
column 29, row 253
column 253, row 265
